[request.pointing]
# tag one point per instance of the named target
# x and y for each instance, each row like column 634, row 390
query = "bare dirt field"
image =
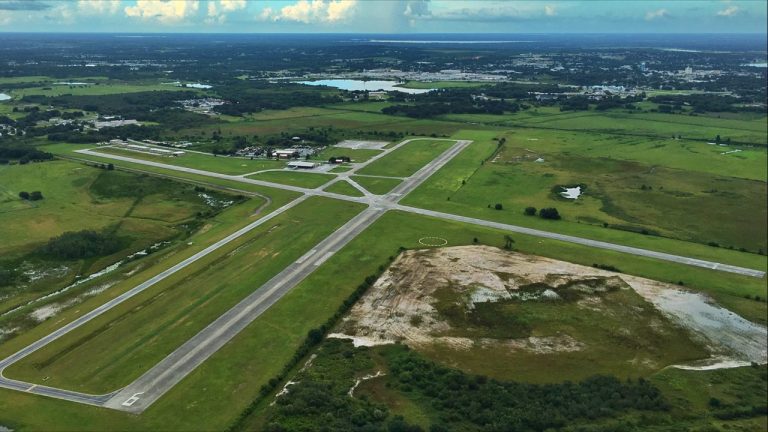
column 465, row 304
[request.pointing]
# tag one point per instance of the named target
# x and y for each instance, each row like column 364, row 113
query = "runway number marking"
column 132, row 400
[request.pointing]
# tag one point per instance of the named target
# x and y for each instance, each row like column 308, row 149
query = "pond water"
column 571, row 193
column 358, row 85
column 4, row 96
column 736, row 341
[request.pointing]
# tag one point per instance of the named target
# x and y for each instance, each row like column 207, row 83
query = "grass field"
column 408, row 159
column 468, row 186
column 357, row 155
column 93, row 88
column 344, row 188
column 376, row 185
column 294, row 178
column 218, row 164
column 120, row 345
column 72, row 202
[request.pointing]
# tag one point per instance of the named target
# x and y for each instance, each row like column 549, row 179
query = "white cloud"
column 659, row 13
column 232, row 5
column 729, row 11
column 5, row 17
column 164, row 11
column 98, row 7
column 314, row 11
column 550, row 10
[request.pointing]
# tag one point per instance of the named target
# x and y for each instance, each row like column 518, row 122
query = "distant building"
column 302, row 165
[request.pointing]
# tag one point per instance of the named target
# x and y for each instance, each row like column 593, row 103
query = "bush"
column 530, row 211
column 36, row 196
column 549, row 213
column 498, row 206
column 24, row 195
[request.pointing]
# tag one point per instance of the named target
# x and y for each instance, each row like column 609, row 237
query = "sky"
column 383, row 16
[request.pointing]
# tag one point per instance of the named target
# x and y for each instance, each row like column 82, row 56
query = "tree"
column 549, row 213
column 498, row 206
column 508, row 242
column 24, row 195
column 36, row 196
column 530, row 211
column 110, row 167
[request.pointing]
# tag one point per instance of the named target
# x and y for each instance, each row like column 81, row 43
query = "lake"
column 358, row 85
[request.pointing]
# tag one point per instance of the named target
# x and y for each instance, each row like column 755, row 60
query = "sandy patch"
column 401, row 305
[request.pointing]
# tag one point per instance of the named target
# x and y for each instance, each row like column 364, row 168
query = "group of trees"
column 545, row 213
column 319, row 400
column 447, row 101
column 254, row 96
column 466, row 402
column 81, row 244
column 23, row 154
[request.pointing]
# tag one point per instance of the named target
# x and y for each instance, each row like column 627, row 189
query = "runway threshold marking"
column 132, row 400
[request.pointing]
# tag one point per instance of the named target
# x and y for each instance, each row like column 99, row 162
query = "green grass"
column 344, row 188
column 117, row 347
column 376, row 185
column 96, row 89
column 467, row 186
column 218, row 164
column 70, row 203
column 294, row 178
column 408, row 159
column 357, row 155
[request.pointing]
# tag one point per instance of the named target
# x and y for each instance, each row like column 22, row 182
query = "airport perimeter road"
column 40, row 343
column 587, row 242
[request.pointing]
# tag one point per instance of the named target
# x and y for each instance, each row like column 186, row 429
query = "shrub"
column 530, row 211
column 549, row 213
column 498, row 206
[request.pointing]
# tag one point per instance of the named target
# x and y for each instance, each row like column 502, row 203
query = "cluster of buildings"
column 113, row 121
column 202, row 105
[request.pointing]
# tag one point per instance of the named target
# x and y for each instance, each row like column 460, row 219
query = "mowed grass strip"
column 376, row 185
column 344, row 188
column 408, row 159
column 205, row 162
column 120, row 345
column 357, row 155
column 294, row 178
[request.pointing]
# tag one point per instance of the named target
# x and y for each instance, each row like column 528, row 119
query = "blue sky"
column 384, row 16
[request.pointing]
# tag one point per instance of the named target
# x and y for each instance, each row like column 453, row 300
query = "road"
column 141, row 393
column 588, row 242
